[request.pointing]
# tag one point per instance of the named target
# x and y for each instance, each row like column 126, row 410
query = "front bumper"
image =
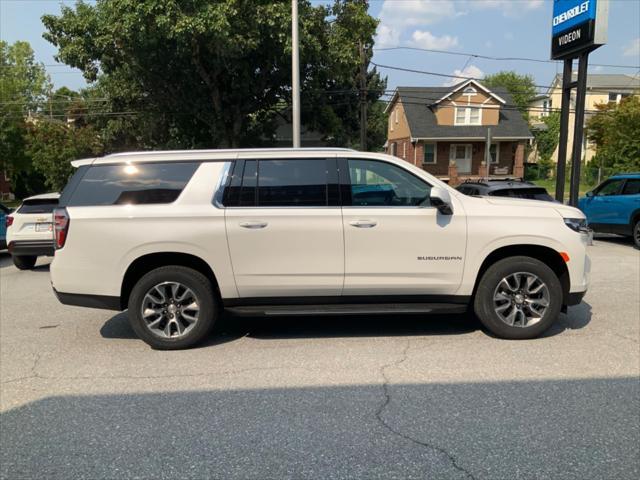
column 31, row 247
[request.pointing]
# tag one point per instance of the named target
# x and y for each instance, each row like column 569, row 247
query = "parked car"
column 505, row 187
column 176, row 237
column 4, row 211
column 614, row 206
column 30, row 230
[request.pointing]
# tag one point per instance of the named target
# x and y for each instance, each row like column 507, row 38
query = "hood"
column 564, row 210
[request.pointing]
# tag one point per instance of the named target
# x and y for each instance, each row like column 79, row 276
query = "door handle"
column 363, row 223
column 253, row 224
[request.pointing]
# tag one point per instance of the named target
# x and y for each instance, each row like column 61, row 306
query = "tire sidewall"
column 484, row 297
column 24, row 262
column 194, row 280
column 635, row 234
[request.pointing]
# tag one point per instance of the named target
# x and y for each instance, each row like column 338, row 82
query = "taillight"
column 61, row 226
column 8, row 221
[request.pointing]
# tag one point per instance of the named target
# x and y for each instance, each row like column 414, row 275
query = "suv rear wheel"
column 172, row 307
column 636, row 234
column 24, row 262
column 518, row 298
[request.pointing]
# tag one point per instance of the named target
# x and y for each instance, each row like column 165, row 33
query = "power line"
column 506, row 59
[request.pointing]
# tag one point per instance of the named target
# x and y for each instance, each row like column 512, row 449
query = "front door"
column 461, row 155
column 602, row 206
column 284, row 228
column 396, row 243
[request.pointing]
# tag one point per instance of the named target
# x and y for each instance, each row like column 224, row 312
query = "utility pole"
column 295, row 74
column 363, row 99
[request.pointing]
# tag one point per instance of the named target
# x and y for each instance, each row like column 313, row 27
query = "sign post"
column 577, row 28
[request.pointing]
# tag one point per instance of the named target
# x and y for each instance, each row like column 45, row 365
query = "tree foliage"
column 52, row 144
column 23, row 89
column 521, row 87
column 196, row 73
column 615, row 130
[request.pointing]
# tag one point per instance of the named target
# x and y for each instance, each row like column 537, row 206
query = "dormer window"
column 468, row 116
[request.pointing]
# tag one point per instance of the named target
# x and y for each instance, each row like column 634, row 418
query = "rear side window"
column 632, row 187
column 282, row 183
column 132, row 184
column 38, row 206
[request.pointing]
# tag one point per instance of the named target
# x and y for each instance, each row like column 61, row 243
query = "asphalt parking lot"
column 377, row 397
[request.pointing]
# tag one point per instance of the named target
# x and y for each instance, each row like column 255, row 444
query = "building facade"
column 601, row 89
column 446, row 131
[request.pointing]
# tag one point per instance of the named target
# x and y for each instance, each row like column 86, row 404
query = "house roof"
column 460, row 86
column 419, row 105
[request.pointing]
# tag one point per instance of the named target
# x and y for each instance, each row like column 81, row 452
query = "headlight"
column 577, row 224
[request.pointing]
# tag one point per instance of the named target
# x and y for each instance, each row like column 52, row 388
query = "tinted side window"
column 292, row 183
column 144, row 183
column 632, row 187
column 38, row 206
column 375, row 184
column 612, row 187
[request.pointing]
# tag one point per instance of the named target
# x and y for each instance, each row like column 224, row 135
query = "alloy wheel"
column 170, row 310
column 521, row 299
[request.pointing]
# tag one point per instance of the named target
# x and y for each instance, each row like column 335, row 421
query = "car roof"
column 44, row 196
column 500, row 184
column 201, row 155
column 626, row 175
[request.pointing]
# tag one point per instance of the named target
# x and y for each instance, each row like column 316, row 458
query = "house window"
column 404, row 150
column 391, row 123
column 613, row 97
column 494, row 152
column 468, row 116
column 469, row 91
column 396, row 113
column 392, row 149
column 429, row 154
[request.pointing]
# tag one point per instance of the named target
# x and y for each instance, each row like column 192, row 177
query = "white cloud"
column 632, row 49
column 395, row 17
column 424, row 39
column 469, row 72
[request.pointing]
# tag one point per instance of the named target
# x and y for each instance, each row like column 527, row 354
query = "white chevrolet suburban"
column 175, row 237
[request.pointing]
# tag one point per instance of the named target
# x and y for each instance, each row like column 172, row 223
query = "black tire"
column 24, row 262
column 484, row 302
column 636, row 234
column 200, row 286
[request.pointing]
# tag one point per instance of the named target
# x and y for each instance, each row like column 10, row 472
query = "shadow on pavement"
column 613, row 239
column 586, row 429
column 230, row 328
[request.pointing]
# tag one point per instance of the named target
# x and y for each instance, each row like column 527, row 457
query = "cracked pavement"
column 338, row 397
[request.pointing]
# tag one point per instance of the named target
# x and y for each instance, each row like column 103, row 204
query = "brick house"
column 444, row 131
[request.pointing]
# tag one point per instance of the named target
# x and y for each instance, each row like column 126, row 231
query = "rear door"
column 630, row 199
column 284, row 226
column 396, row 243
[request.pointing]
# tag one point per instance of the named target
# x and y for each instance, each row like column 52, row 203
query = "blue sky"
column 502, row 28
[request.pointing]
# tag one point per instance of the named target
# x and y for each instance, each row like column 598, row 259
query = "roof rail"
column 228, row 150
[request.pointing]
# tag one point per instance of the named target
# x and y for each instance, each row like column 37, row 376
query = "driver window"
column 609, row 188
column 381, row 184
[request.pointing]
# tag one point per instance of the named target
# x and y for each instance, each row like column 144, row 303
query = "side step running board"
column 348, row 309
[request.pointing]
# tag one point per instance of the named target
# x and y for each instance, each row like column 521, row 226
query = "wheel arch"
column 634, row 217
column 547, row 255
column 145, row 263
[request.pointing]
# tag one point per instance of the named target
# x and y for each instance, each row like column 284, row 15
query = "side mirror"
column 590, row 194
column 441, row 199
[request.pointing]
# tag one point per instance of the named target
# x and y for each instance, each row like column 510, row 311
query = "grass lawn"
column 550, row 185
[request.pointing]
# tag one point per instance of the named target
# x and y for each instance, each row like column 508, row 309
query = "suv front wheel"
column 172, row 307
column 518, row 298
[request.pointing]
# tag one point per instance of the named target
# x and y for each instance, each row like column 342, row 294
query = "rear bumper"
column 103, row 302
column 31, row 247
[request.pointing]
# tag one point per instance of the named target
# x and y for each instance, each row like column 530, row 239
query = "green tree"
column 200, row 73
column 546, row 139
column 521, row 87
column 615, row 130
column 23, row 89
column 52, row 144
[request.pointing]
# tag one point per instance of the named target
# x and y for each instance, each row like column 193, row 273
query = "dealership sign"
column 578, row 25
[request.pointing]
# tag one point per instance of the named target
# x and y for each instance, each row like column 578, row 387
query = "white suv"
column 29, row 230
column 176, row 237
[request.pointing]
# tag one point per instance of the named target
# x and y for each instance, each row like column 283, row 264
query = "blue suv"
column 614, row 206
column 4, row 211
